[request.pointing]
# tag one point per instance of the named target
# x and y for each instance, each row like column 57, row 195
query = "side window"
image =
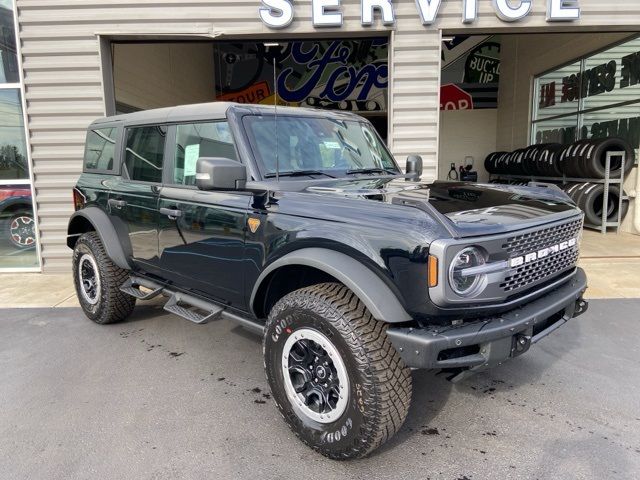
column 196, row 140
column 100, row 149
column 145, row 152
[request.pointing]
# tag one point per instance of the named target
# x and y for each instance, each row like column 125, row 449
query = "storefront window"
column 8, row 53
column 556, row 130
column 13, row 148
column 595, row 97
column 613, row 76
column 18, row 233
column 18, row 239
column 613, row 122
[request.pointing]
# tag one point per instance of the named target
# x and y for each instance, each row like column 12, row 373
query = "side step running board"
column 179, row 304
column 132, row 287
column 174, row 306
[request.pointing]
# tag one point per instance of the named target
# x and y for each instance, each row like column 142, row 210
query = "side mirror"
column 414, row 166
column 216, row 173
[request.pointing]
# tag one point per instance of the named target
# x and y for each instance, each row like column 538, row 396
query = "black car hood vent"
column 364, row 192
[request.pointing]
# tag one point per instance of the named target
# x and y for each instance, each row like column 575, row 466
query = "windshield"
column 317, row 146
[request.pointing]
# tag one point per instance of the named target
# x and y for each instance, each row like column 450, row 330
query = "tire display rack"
column 607, row 181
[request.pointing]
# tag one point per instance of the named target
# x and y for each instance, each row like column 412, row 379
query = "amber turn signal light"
column 433, row 271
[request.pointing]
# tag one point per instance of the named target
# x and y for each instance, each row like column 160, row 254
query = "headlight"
column 463, row 280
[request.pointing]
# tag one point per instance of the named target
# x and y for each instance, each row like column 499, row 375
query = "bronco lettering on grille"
column 545, row 252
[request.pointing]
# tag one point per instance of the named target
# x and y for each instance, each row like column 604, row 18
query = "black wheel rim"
column 89, row 278
column 315, row 376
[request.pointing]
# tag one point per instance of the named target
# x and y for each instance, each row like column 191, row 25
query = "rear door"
column 202, row 234
column 134, row 197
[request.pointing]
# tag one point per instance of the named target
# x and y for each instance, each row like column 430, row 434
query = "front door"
column 133, row 200
column 202, row 234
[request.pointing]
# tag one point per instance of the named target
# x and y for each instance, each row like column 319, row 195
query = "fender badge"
column 253, row 223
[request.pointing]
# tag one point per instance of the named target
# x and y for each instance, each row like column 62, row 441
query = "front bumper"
column 490, row 341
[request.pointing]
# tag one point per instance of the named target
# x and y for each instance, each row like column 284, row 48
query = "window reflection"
column 17, row 227
column 13, row 151
column 18, row 240
column 8, row 54
column 596, row 97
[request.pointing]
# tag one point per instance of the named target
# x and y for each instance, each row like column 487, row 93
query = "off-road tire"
column 379, row 381
column 112, row 305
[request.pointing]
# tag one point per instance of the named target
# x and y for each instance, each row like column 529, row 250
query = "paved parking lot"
column 158, row 397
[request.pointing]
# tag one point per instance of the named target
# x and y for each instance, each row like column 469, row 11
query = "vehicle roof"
column 212, row 111
column 261, row 109
column 170, row 114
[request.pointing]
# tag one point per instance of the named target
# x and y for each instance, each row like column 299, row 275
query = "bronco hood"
column 464, row 209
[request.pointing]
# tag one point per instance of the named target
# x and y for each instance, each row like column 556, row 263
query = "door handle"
column 117, row 203
column 172, row 213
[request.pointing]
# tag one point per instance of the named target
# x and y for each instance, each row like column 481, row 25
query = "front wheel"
column 334, row 375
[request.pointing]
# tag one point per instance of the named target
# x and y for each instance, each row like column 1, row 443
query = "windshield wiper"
column 371, row 170
column 298, row 173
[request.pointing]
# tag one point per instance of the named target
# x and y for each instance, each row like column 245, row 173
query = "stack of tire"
column 536, row 160
column 590, row 198
column 582, row 159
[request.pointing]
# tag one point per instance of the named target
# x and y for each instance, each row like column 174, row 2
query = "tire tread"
column 117, row 305
column 387, row 379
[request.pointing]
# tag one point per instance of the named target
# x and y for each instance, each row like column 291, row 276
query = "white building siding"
column 64, row 90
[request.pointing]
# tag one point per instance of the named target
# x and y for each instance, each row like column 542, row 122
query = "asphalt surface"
column 159, row 397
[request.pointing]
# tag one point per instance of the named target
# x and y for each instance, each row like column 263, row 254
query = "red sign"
column 453, row 97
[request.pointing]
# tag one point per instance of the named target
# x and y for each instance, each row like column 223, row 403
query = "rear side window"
column 197, row 140
column 100, row 149
column 144, row 153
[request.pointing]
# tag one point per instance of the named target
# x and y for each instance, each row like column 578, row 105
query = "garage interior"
column 500, row 115
column 505, row 109
column 348, row 75
column 490, row 94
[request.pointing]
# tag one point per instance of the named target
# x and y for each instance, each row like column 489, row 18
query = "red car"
column 16, row 216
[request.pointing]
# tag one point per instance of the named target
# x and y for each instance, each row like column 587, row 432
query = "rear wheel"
column 334, row 375
column 97, row 280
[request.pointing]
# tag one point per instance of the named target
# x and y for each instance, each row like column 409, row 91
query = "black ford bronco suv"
column 299, row 225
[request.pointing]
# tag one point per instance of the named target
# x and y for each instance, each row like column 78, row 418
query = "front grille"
column 533, row 241
column 546, row 267
column 539, row 255
column 529, row 273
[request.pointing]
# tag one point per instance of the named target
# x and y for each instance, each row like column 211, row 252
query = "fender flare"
column 365, row 284
column 116, row 245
